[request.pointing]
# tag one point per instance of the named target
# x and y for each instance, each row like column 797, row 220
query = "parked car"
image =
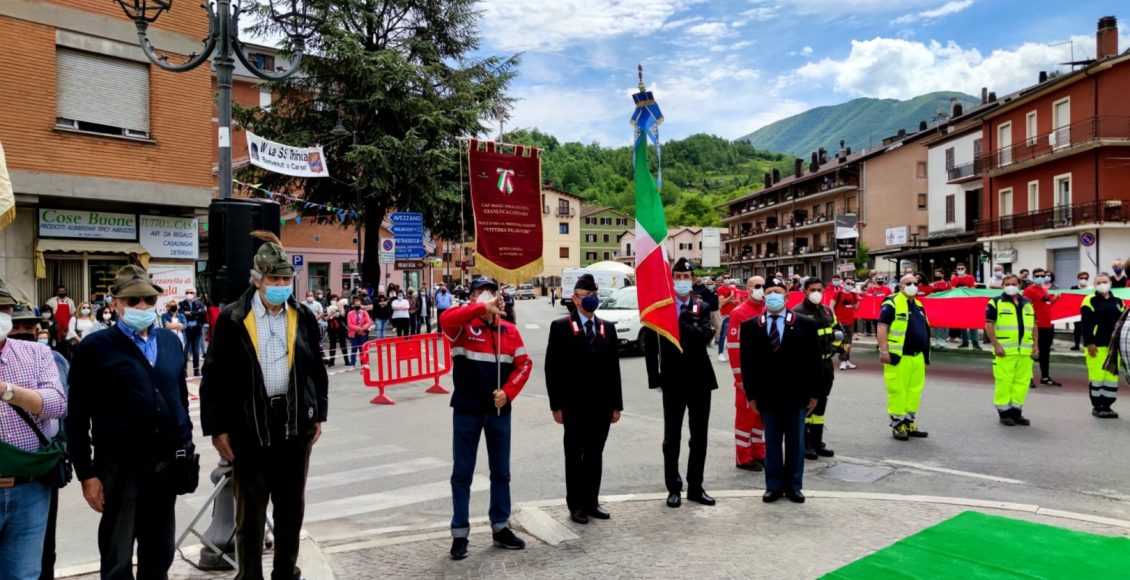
column 525, row 292
column 621, row 308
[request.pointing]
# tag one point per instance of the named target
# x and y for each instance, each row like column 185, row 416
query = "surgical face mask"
column 775, row 302
column 44, row 341
column 836, row 283
column 309, row 299
column 815, row 296
column 910, row 290
column 849, row 286
column 485, row 296
column 710, row 285
column 139, row 319
column 682, row 287
column 1012, row 290
column 1083, row 282
column 277, row 295
column 1040, row 279
column 1118, row 270
column 5, row 325
column 758, row 294
column 106, row 316
column 190, row 295
column 998, row 274
column 85, row 311
column 1104, row 288
column 590, row 303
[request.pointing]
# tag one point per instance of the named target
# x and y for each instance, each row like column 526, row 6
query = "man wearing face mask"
column 729, row 298
column 997, row 281
column 686, row 380
column 749, row 432
column 195, row 315
column 1082, row 282
column 1100, row 314
column 1010, row 323
column 828, row 338
column 263, row 399
column 489, row 368
column 961, row 279
column 1119, row 279
column 582, row 377
column 123, row 439
column 1042, row 301
column 904, row 350
column 844, row 304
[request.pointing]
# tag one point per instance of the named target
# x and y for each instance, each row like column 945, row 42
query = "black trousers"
column 276, row 474
column 585, row 435
column 47, row 571
column 337, row 336
column 1045, row 344
column 138, row 507
column 401, row 326
column 694, row 402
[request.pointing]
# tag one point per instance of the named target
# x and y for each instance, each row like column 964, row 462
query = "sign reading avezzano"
column 170, row 237
column 89, row 225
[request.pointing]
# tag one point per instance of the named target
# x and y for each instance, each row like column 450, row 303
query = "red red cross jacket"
column 475, row 366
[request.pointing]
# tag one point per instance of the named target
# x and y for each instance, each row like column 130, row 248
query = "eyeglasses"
column 758, row 286
column 135, row 300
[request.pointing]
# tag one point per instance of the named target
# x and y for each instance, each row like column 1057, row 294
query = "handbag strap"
column 31, row 423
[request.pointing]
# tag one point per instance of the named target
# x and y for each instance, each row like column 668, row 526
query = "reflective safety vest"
column 896, row 333
column 1007, row 325
column 1088, row 305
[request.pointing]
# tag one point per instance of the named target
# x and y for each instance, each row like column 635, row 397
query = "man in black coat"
column 686, row 378
column 781, row 363
column 582, row 375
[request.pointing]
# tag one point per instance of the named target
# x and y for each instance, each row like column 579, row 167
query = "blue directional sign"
column 411, row 253
column 416, row 230
column 409, row 241
column 407, row 217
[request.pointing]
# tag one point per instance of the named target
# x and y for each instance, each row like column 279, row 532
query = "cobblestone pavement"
column 741, row 537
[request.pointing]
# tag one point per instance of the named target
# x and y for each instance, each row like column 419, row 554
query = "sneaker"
column 1050, row 381
column 899, row 432
column 723, row 358
column 506, row 540
column 843, row 366
column 849, row 364
column 459, row 548
column 912, row 430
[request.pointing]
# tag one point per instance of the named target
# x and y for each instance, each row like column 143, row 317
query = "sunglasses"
column 135, row 300
column 758, row 286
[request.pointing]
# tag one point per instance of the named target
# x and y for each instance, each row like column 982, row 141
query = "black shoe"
column 674, row 500
column 899, row 432
column 701, row 497
column 599, row 513
column 1076, row 347
column 1020, row 419
column 754, row 465
column 1050, row 381
column 912, row 430
column 459, row 548
column 579, row 516
column 1008, row 421
column 330, row 364
column 810, row 454
column 771, row 496
column 195, row 372
column 506, row 540
column 795, row 496
column 824, row 451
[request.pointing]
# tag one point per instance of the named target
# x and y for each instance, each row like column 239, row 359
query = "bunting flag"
column 341, row 213
column 656, row 290
column 7, row 197
column 506, row 199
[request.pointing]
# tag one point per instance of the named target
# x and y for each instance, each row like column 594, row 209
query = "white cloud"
column 583, row 115
column 806, row 51
column 901, row 69
column 515, row 25
column 713, row 29
column 832, row 8
column 952, row 7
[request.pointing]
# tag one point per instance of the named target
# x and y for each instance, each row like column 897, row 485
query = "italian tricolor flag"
column 654, row 285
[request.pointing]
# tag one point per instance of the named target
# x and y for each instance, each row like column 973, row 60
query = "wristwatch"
column 9, row 392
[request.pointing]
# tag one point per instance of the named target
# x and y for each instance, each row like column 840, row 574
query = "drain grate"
column 855, row 473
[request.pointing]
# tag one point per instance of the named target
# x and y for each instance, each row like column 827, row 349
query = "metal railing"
column 1058, row 217
column 965, row 170
column 1058, row 140
column 566, row 211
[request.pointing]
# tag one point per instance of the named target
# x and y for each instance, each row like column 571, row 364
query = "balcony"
column 1086, row 134
column 565, row 212
column 965, row 172
column 789, row 198
column 1064, row 216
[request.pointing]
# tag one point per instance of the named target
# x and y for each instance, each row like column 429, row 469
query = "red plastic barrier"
column 405, row 359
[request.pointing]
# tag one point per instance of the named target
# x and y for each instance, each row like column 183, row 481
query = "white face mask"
column 815, row 297
column 1104, row 288
column 485, row 296
column 1012, row 290
column 758, row 294
column 5, row 325
column 309, row 299
column 85, row 311
column 998, row 274
column 1083, row 283
column 910, row 290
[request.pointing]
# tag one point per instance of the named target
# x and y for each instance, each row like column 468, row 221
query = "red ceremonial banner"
column 506, row 199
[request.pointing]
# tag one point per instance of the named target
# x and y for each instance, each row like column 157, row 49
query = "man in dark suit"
column 686, row 379
column 782, row 351
column 582, row 375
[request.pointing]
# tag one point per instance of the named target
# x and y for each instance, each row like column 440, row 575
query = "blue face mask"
column 1041, row 279
column 682, row 287
column 139, row 319
column 277, row 295
column 590, row 303
column 775, row 302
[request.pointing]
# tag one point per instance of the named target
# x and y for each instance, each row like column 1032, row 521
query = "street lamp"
column 221, row 44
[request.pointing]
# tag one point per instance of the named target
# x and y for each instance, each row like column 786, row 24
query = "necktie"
column 774, row 334
column 590, row 334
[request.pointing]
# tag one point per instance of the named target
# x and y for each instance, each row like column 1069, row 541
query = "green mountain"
column 859, row 123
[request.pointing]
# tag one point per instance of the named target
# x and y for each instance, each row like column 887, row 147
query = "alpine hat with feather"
column 271, row 258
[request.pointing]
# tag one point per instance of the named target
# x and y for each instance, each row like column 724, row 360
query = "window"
column 830, row 210
column 628, row 248
column 317, row 239
column 1061, row 121
column 951, row 209
column 261, row 61
column 588, row 221
column 922, row 201
column 590, row 238
column 264, row 98
column 920, row 170
column 590, row 256
column 608, row 255
column 606, row 238
column 563, row 228
column 1033, row 195
column 1005, row 202
column 563, row 252
column 1062, row 201
column 1004, row 144
column 563, row 207
column 447, row 256
column 101, row 94
column 1030, row 128
column 950, row 163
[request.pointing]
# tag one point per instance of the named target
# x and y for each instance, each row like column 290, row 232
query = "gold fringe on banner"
column 7, row 217
column 506, row 275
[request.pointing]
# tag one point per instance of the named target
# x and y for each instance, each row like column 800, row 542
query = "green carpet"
column 974, row 545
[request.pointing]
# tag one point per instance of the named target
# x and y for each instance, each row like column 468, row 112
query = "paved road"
column 387, row 467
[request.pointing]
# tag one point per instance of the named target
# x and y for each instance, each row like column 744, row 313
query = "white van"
column 606, row 280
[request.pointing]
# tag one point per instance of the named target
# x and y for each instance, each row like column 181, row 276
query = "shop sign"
column 87, row 225
column 409, row 265
column 1004, row 256
column 898, row 236
column 170, row 237
column 174, row 279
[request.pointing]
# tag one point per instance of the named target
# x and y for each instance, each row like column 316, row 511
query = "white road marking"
column 532, row 326
column 375, row 502
column 317, row 458
column 374, row 472
column 954, row 472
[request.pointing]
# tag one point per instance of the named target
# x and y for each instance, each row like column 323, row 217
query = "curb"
column 986, row 353
column 440, row 530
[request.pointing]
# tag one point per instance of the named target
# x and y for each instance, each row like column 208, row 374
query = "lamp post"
column 222, row 46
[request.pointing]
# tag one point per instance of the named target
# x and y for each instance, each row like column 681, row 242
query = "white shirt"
column 79, row 327
column 273, row 345
column 400, row 308
column 315, row 307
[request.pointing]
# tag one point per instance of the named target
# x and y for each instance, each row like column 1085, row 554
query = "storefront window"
column 319, row 273
column 86, row 278
column 348, row 277
column 101, row 276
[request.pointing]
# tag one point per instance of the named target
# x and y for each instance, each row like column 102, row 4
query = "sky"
column 729, row 67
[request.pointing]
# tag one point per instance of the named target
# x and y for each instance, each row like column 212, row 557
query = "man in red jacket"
column 1042, row 302
column 749, row 433
column 961, row 279
column 489, row 369
column 845, row 302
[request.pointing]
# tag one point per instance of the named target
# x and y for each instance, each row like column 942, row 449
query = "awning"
column 132, row 249
column 948, row 248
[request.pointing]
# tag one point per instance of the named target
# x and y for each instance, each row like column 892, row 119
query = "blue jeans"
column 194, row 347
column 969, row 336
column 356, row 342
column 465, row 447
column 23, row 521
column 722, row 334
column 382, row 323
column 784, row 471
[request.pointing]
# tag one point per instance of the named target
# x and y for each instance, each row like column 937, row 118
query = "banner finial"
column 639, row 71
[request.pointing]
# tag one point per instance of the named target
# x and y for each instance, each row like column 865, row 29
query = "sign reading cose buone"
column 170, row 237
column 87, row 225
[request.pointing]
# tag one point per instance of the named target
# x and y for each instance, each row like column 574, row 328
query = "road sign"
column 1087, row 239
column 408, row 230
column 411, row 253
column 409, row 264
column 407, row 217
column 297, row 260
column 388, row 251
column 403, row 241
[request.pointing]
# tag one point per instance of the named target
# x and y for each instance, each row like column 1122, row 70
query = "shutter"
column 1066, row 264
column 99, row 89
